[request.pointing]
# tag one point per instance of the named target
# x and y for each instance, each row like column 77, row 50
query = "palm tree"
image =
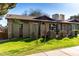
column 4, row 7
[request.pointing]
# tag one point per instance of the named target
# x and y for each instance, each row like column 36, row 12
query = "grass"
column 19, row 47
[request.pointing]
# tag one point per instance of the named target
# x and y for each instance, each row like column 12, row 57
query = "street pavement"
column 71, row 51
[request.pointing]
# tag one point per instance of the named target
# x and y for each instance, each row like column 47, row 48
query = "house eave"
column 25, row 18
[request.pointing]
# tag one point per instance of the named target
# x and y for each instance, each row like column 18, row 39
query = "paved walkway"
column 73, row 51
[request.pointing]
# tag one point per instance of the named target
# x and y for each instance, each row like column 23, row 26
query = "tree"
column 74, row 17
column 35, row 13
column 4, row 7
column 25, row 13
column 32, row 12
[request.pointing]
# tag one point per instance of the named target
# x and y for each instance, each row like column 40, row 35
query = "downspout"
column 61, row 30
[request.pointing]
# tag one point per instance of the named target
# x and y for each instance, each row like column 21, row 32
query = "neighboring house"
column 1, row 28
column 35, row 27
column 3, row 33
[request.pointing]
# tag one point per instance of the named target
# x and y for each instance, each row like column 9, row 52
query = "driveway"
column 72, row 51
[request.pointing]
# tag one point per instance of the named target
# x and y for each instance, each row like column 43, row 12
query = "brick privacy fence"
column 3, row 35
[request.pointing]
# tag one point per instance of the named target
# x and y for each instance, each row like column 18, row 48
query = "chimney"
column 58, row 16
column 61, row 17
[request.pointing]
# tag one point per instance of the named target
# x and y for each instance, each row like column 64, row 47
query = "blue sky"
column 48, row 8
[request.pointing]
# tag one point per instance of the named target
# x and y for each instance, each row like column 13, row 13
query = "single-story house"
column 34, row 27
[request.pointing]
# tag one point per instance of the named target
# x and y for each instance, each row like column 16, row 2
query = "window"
column 52, row 26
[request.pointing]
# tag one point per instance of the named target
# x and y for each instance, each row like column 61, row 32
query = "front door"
column 21, row 30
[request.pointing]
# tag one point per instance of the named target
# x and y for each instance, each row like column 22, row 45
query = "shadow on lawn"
column 44, row 39
column 17, row 39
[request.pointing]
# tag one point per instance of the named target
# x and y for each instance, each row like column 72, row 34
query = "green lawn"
column 26, row 46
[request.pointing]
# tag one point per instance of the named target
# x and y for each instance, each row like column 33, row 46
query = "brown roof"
column 32, row 18
column 12, row 16
column 44, row 17
column 73, row 20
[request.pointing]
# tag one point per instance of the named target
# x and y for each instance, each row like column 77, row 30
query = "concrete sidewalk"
column 72, row 51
